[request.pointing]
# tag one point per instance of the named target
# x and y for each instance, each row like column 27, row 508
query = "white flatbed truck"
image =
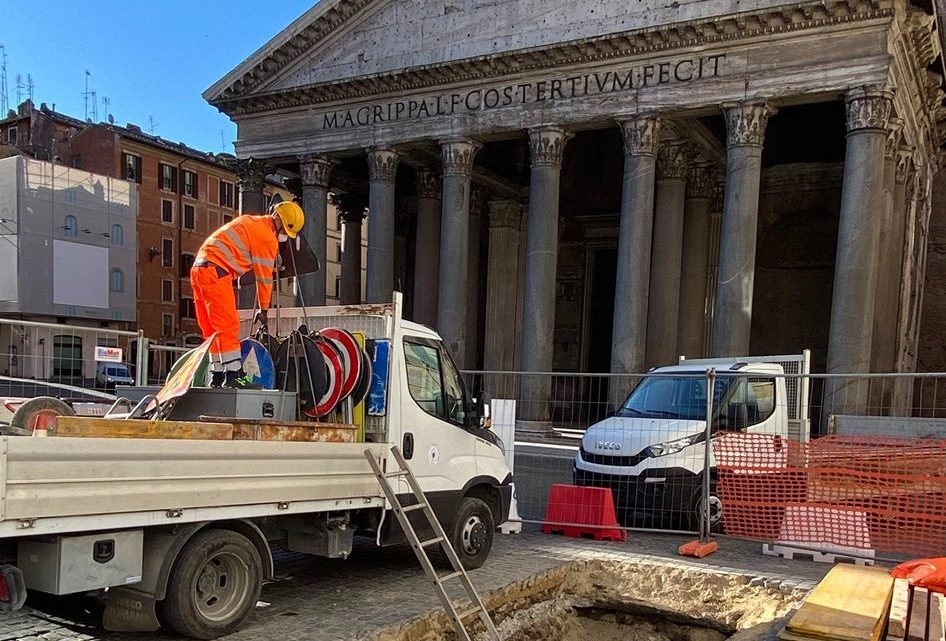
column 185, row 526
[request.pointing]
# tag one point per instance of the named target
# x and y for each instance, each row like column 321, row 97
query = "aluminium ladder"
column 420, row 547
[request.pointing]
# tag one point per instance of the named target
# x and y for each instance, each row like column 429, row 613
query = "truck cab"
column 651, row 452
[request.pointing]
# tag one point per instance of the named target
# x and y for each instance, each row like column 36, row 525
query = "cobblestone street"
column 331, row 600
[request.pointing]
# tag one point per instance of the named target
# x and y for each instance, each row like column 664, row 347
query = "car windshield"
column 682, row 397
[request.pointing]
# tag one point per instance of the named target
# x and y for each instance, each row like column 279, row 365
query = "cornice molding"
column 236, row 100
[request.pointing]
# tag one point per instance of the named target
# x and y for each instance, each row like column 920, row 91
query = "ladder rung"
column 430, row 542
column 464, row 615
column 391, row 475
column 447, row 577
column 412, row 508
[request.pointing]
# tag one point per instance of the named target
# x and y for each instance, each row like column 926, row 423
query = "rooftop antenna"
column 107, row 105
column 152, row 125
column 95, row 108
column 4, row 100
column 86, row 94
column 223, row 144
column 24, row 88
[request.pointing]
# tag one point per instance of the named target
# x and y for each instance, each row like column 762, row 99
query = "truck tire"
column 214, row 585
column 473, row 529
column 38, row 413
column 716, row 511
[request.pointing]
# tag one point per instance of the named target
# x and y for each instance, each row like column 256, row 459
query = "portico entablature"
column 797, row 54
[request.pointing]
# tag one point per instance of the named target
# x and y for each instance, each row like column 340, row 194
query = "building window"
column 71, row 226
column 12, row 135
column 71, row 195
column 67, row 355
column 167, row 324
column 167, row 291
column 338, row 252
column 132, row 165
column 187, row 308
column 167, row 177
column 188, row 217
column 338, row 287
column 187, row 261
column 118, row 235
column 190, row 184
column 227, row 218
column 77, row 161
column 117, row 282
column 167, row 252
column 226, row 194
column 167, row 211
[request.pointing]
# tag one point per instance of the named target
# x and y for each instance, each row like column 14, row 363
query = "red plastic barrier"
column 924, row 573
column 881, row 493
column 582, row 506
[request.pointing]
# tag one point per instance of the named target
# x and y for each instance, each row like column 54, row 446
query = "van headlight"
column 672, row 447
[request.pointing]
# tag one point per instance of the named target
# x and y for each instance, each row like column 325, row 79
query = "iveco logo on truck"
column 604, row 445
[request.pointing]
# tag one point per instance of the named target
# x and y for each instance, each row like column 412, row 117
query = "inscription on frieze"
column 626, row 78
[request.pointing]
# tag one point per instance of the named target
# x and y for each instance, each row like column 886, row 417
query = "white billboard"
column 80, row 275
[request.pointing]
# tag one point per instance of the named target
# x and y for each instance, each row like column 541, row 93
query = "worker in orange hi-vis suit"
column 247, row 243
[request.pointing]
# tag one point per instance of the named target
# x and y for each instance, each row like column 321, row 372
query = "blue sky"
column 151, row 59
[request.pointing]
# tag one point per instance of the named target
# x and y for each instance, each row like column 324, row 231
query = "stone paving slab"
column 334, row 600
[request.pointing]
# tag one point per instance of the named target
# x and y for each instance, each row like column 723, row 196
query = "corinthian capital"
column 904, row 162
column 505, row 213
column 382, row 164
column 746, row 122
column 547, row 145
column 672, row 159
column 701, row 180
column 894, row 137
column 641, row 135
column 252, row 173
column 868, row 108
column 315, row 170
column 458, row 155
column 428, row 184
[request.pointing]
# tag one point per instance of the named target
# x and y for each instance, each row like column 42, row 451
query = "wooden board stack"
column 916, row 614
column 850, row 604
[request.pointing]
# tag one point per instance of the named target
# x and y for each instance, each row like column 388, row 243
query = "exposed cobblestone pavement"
column 331, row 600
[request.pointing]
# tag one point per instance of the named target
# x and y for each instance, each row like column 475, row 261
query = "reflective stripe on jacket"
column 246, row 243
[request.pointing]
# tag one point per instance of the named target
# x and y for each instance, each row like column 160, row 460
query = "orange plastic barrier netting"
column 881, row 493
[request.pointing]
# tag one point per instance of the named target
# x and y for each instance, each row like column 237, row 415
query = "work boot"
column 237, row 379
column 217, row 379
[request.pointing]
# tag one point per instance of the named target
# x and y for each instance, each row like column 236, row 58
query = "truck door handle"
column 407, row 448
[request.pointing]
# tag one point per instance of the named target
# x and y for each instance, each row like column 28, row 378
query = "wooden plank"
column 937, row 619
column 916, row 626
column 298, row 431
column 899, row 605
column 86, row 427
column 850, row 604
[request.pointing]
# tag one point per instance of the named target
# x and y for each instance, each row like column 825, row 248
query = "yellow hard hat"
column 291, row 216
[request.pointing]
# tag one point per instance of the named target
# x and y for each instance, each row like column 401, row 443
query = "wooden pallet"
column 790, row 553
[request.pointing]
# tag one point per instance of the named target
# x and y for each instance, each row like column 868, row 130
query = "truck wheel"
column 716, row 511
column 472, row 536
column 214, row 585
column 39, row 413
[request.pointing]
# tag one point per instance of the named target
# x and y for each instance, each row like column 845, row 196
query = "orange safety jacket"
column 246, row 243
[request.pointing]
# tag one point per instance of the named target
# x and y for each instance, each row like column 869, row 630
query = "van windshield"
column 682, row 397
column 117, row 371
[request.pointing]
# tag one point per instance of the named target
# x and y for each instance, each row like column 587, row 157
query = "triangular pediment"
column 340, row 40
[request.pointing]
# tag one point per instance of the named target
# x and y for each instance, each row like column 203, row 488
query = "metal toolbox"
column 70, row 564
column 251, row 404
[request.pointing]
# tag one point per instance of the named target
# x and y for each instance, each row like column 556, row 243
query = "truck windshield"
column 681, row 397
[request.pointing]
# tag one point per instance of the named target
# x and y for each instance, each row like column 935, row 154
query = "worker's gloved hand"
column 262, row 318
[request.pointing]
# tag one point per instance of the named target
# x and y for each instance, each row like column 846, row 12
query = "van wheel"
column 472, row 535
column 699, row 512
column 38, row 413
column 214, row 585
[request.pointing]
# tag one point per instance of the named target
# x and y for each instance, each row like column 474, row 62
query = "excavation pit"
column 614, row 601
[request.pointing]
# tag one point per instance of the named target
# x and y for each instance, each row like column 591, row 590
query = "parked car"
column 110, row 374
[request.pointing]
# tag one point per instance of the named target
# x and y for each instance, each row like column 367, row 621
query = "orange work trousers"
column 216, row 310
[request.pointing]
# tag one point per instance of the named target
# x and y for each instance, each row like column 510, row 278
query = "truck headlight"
column 672, row 447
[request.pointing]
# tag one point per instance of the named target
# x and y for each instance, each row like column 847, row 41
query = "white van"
column 651, row 452
column 108, row 375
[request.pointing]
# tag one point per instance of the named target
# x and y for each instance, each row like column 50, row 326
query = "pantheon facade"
column 605, row 185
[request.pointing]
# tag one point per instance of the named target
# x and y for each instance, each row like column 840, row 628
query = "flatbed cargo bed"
column 62, row 485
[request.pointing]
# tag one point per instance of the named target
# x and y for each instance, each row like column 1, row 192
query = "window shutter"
column 137, row 169
column 174, row 180
column 196, row 192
